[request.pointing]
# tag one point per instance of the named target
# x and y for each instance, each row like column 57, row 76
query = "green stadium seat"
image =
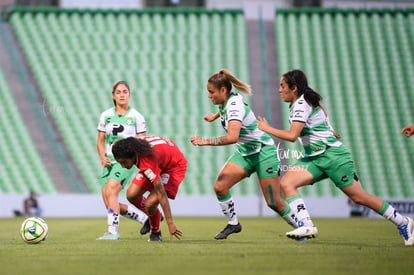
column 22, row 168
column 166, row 57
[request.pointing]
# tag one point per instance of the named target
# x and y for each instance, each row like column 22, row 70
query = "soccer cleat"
column 303, row 232
column 407, row 231
column 109, row 236
column 155, row 237
column 229, row 229
column 302, row 240
column 146, row 227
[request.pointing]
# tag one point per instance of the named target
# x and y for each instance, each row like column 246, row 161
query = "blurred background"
column 59, row 59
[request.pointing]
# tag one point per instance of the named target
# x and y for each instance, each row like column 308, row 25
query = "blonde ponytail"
column 225, row 78
column 237, row 83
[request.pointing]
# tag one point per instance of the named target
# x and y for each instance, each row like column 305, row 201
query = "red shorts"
column 170, row 179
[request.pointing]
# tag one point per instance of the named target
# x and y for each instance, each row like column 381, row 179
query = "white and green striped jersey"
column 120, row 126
column 317, row 133
column 250, row 138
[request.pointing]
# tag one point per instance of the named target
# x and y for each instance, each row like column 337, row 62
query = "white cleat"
column 109, row 237
column 303, row 233
column 407, row 231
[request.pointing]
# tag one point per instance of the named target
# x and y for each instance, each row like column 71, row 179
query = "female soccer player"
column 325, row 157
column 256, row 151
column 118, row 122
column 162, row 168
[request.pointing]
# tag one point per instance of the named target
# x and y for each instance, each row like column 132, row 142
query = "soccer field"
column 344, row 246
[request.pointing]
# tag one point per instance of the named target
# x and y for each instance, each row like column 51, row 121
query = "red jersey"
column 167, row 158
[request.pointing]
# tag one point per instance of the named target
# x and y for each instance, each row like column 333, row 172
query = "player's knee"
column 151, row 205
column 285, row 185
column 132, row 198
column 220, row 189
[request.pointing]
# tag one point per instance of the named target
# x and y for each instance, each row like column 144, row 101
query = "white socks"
column 135, row 214
column 392, row 215
column 299, row 211
column 132, row 213
column 113, row 222
column 228, row 210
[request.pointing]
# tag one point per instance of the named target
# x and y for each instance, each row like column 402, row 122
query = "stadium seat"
column 165, row 56
column 21, row 168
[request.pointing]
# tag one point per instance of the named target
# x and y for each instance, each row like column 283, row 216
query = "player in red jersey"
column 162, row 167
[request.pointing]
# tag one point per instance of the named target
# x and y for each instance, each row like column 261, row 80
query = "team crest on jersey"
column 129, row 121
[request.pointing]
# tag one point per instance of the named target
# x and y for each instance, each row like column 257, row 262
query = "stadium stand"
column 361, row 61
column 165, row 55
column 21, row 169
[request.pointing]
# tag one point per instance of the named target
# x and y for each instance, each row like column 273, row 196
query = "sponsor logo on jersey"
column 234, row 113
column 150, row 175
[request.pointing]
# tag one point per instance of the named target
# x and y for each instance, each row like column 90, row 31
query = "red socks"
column 155, row 221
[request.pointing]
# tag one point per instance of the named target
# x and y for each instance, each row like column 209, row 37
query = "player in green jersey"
column 118, row 122
column 256, row 151
column 325, row 157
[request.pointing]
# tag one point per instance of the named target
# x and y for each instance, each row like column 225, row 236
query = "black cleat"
column 146, row 226
column 229, row 229
column 155, row 237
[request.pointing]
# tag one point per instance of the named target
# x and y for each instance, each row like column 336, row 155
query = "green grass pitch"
column 344, row 246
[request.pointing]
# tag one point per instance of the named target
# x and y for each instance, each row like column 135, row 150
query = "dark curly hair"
column 132, row 147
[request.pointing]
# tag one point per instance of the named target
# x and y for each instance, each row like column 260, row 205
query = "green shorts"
column 265, row 163
column 335, row 163
column 116, row 172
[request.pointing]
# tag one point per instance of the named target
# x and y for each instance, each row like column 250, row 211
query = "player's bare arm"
column 290, row 135
column 212, row 117
column 163, row 199
column 101, row 149
column 232, row 136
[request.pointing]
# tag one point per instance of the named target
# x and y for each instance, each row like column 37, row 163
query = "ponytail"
column 225, row 78
column 312, row 97
column 298, row 78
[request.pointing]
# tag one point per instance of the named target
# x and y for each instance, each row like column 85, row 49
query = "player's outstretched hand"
column 408, row 130
column 210, row 117
column 262, row 123
column 337, row 135
column 174, row 231
column 196, row 140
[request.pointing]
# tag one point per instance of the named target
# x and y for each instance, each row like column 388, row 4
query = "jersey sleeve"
column 235, row 109
column 101, row 124
column 301, row 111
column 141, row 125
column 150, row 169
